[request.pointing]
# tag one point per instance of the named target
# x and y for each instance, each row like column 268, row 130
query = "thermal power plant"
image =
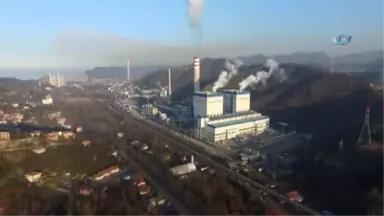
column 56, row 81
column 128, row 72
column 221, row 116
column 169, row 83
column 196, row 74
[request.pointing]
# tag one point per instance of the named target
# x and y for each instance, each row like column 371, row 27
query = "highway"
column 194, row 147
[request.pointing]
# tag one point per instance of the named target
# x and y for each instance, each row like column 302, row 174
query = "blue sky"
column 30, row 28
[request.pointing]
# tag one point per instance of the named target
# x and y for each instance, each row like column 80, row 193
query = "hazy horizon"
column 83, row 34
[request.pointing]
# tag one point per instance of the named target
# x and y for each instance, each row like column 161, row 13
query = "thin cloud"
column 89, row 48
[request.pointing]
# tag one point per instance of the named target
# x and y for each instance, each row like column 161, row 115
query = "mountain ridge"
column 371, row 60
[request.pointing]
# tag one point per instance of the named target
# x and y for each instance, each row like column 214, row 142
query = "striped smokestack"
column 196, row 74
column 169, row 83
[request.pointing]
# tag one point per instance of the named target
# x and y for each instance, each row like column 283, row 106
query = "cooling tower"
column 196, row 74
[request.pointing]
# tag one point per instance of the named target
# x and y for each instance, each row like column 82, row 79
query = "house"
column 295, row 196
column 54, row 115
column 144, row 189
column 85, row 190
column 139, row 180
column 60, row 120
column 33, row 176
column 39, row 150
column 79, row 129
column 16, row 117
column 156, row 201
column 140, row 183
column 5, row 135
column 47, row 100
column 105, row 172
column 85, row 142
column 184, row 168
column 68, row 134
column 52, row 137
column 35, row 134
column 136, row 142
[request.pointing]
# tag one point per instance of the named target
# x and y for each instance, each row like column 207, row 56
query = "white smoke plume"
column 263, row 76
column 195, row 17
column 231, row 70
column 195, row 12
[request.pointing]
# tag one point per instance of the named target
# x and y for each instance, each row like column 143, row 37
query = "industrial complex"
column 224, row 115
column 215, row 116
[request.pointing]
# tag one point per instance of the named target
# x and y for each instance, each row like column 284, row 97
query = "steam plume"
column 195, row 17
column 263, row 76
column 231, row 70
column 195, row 12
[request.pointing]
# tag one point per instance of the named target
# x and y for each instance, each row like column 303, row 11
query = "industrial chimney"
column 128, row 74
column 196, row 74
column 169, row 83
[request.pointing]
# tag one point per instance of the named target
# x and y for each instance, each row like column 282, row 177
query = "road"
column 194, row 146
column 152, row 175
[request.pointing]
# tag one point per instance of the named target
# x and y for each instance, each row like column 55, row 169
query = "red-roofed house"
column 144, row 189
column 139, row 180
column 295, row 196
column 106, row 172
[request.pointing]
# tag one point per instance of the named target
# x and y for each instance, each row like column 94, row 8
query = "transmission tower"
column 365, row 134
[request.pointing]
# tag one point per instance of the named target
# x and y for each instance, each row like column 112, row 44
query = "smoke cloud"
column 231, row 70
column 195, row 12
column 263, row 76
column 195, row 17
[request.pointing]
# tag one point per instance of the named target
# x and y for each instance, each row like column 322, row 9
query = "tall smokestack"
column 128, row 74
column 196, row 74
column 169, row 83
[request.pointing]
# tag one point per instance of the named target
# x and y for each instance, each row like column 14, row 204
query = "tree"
column 217, row 207
column 374, row 202
column 87, row 208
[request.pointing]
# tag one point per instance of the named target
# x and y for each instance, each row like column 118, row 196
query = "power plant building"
column 149, row 110
column 223, row 116
column 52, row 80
column 236, row 101
column 207, row 104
